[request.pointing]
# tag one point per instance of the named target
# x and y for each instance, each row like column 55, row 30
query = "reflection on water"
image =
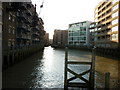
column 46, row 69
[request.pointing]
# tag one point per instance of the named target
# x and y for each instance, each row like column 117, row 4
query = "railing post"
column 65, row 73
column 107, row 80
column 92, row 78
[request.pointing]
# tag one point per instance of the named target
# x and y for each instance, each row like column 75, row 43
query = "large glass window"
column 115, row 7
column 75, row 38
column 115, row 28
column 84, row 24
column 115, row 21
column 75, row 33
column 115, row 1
column 70, row 38
column 115, row 14
column 115, row 37
column 70, row 34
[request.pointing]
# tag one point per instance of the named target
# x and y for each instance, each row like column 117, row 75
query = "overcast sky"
column 58, row 14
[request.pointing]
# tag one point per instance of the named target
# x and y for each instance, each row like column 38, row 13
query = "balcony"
column 28, row 21
column 102, row 29
column 23, row 6
column 23, row 37
column 28, row 12
column 35, row 29
column 29, row 29
column 29, row 5
column 35, row 34
column 102, row 34
column 21, row 16
column 99, row 25
column 21, row 26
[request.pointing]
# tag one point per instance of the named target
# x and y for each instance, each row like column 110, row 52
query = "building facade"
column 93, row 29
column 60, row 37
column 78, row 33
column 107, row 18
column 23, row 31
column 47, row 43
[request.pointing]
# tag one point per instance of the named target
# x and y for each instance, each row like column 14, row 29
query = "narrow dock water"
column 46, row 69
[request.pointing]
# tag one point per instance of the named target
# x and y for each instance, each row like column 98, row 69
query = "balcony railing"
column 102, row 34
column 29, row 29
column 23, row 6
column 22, row 26
column 35, row 29
column 28, row 12
column 29, row 4
column 21, row 16
column 23, row 36
column 28, row 21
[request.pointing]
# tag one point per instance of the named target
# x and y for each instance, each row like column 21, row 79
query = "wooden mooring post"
column 107, row 81
column 88, row 83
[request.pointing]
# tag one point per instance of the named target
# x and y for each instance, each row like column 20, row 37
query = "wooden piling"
column 65, row 73
column 87, row 83
column 92, row 73
column 107, row 81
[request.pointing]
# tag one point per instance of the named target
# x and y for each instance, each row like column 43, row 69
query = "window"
column 115, row 21
column 115, row 1
column 9, row 42
column 13, row 31
column 9, row 3
column 10, row 17
column 13, row 19
column 115, row 37
column 115, row 28
column 115, row 7
column 9, row 29
column 115, row 14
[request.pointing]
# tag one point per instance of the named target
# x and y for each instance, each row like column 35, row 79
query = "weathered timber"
column 88, row 83
column 107, row 81
column 92, row 73
column 76, row 62
column 81, row 74
column 65, row 75
column 77, row 75
column 82, row 85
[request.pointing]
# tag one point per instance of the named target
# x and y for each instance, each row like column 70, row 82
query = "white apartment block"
column 79, row 34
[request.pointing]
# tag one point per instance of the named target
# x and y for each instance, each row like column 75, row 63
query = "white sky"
column 58, row 14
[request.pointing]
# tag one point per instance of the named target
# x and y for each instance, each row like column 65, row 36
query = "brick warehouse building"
column 22, row 31
column 60, row 38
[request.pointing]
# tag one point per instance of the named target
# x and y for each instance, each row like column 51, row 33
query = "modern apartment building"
column 107, row 18
column 79, row 33
column 60, row 37
column 22, row 25
column 23, row 31
column 92, row 29
column 24, row 21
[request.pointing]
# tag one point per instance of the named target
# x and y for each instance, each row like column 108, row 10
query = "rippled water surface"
column 44, row 69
